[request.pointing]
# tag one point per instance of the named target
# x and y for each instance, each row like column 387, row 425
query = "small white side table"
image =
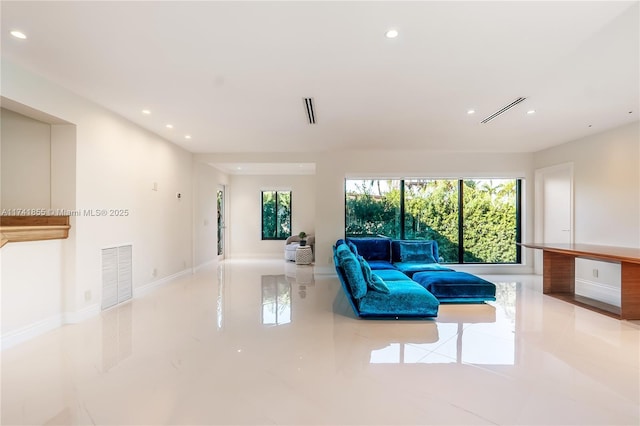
column 304, row 255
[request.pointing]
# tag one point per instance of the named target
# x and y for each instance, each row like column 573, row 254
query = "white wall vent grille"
column 116, row 275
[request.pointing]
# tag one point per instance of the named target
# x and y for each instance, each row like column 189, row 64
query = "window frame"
column 460, row 183
column 277, row 192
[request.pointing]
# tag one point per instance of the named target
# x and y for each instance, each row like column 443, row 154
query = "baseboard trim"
column 261, row 256
column 142, row 290
column 81, row 315
column 28, row 332
column 204, row 265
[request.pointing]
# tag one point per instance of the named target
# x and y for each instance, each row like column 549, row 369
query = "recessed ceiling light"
column 471, row 111
column 146, row 112
column 187, row 136
column 169, row 126
column 391, row 34
column 531, row 111
column 18, row 34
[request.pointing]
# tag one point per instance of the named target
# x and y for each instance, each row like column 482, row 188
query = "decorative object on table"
column 303, row 238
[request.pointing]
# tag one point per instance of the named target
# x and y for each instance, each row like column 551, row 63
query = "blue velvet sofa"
column 417, row 260
column 370, row 296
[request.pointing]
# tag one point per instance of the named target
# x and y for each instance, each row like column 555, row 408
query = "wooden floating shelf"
column 33, row 228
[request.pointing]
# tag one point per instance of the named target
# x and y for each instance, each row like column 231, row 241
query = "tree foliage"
column 276, row 214
column 432, row 211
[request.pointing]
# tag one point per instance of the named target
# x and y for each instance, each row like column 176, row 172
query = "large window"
column 473, row 220
column 276, row 215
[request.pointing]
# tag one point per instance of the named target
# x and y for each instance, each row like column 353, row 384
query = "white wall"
column 116, row 164
column 606, row 185
column 26, row 162
column 32, row 287
column 245, row 207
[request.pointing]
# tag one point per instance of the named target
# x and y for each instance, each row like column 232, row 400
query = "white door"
column 554, row 207
column 557, row 207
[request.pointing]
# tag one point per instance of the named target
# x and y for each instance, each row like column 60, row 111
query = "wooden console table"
column 558, row 279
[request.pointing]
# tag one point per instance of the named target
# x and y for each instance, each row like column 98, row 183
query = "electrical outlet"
column 154, row 272
column 595, row 273
column 87, row 295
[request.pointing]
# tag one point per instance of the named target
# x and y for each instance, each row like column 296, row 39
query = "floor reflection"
column 220, row 299
column 117, row 335
column 276, row 300
column 481, row 334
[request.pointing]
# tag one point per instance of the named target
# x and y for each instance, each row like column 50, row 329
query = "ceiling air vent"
column 502, row 110
column 311, row 114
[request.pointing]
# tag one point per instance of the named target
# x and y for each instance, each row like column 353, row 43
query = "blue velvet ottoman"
column 456, row 287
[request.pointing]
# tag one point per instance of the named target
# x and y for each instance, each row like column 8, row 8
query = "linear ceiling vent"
column 311, row 114
column 502, row 110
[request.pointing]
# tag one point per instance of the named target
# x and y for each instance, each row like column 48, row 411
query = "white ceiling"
column 266, row 168
column 233, row 74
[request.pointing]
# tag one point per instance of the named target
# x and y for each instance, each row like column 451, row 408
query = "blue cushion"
column 343, row 280
column 373, row 248
column 405, row 299
column 352, row 247
column 411, row 268
column 372, row 281
column 342, row 250
column 414, row 251
column 378, row 284
column 353, row 273
column 366, row 269
column 390, row 275
column 456, row 286
column 380, row 264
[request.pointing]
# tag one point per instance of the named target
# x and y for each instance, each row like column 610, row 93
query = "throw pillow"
column 353, row 247
column 366, row 269
column 353, row 274
column 416, row 252
column 343, row 250
column 378, row 284
column 373, row 281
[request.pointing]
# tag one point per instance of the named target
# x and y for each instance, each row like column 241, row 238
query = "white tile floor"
column 255, row 343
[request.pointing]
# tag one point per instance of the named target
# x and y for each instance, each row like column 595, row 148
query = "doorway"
column 554, row 207
column 220, row 197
